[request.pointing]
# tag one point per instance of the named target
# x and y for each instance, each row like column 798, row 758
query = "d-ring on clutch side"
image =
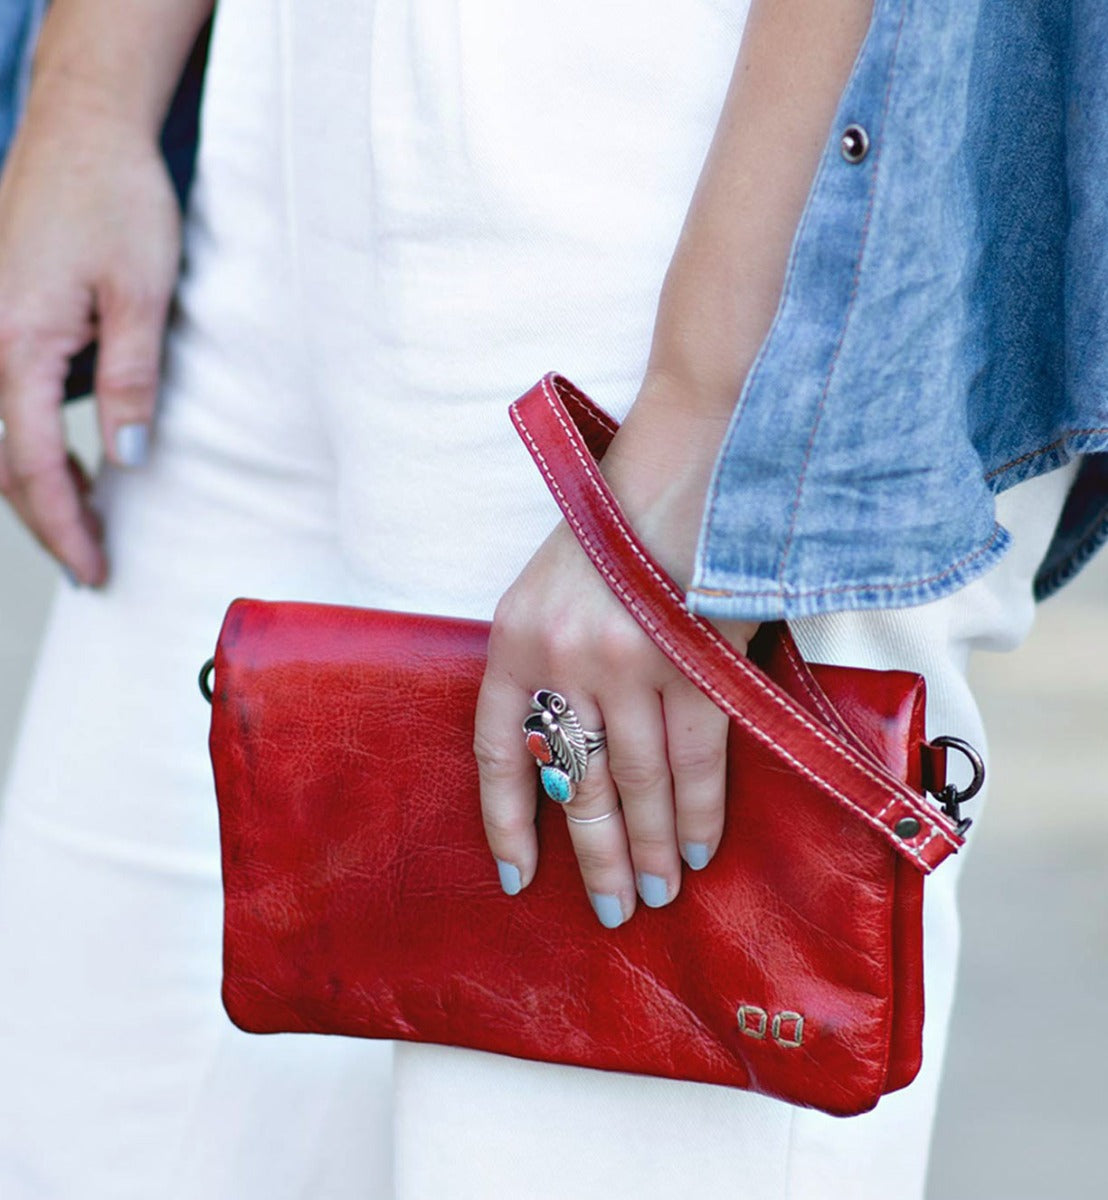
column 950, row 797
column 206, row 679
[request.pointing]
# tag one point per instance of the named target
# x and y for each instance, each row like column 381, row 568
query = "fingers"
column 47, row 486
column 653, row 795
column 640, row 774
column 598, row 832
column 36, row 474
column 132, row 326
column 510, row 791
column 665, row 764
column 696, row 742
column 658, row 785
column 507, row 774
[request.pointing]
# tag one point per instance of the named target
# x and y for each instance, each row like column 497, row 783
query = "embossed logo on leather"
column 785, row 1028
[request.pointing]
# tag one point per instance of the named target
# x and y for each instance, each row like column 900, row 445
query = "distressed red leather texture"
column 361, row 897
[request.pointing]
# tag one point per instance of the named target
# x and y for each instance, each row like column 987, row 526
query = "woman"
column 404, row 213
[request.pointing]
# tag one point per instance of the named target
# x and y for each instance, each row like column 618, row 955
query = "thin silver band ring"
column 592, row 820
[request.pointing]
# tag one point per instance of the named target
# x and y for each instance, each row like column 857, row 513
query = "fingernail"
column 510, row 879
column 71, row 577
column 696, row 854
column 609, row 911
column 653, row 889
column 131, row 444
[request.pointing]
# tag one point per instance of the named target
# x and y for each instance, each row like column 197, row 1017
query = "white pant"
column 406, row 212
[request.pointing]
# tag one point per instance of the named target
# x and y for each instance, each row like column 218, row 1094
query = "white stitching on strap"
column 906, row 797
column 821, row 702
column 814, row 694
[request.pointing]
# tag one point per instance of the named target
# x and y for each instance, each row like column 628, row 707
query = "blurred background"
column 1025, row 1102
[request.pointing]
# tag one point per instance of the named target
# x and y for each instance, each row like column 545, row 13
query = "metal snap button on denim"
column 854, row 143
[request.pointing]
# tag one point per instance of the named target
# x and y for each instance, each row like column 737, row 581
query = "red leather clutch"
column 361, row 897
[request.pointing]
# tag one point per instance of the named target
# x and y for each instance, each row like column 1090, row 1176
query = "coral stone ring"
column 559, row 745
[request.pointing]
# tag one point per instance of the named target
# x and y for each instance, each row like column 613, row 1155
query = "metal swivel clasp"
column 951, row 798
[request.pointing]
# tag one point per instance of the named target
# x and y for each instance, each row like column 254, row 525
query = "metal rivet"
column 906, row 828
column 854, row 143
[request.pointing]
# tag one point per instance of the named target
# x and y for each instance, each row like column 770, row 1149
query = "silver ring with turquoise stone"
column 559, row 745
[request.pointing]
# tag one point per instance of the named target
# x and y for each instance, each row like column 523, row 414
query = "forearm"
column 726, row 276
column 120, row 59
column 724, row 282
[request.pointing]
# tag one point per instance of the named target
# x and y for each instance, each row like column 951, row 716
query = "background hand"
column 89, row 249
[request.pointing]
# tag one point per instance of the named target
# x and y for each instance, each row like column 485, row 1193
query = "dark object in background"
column 180, row 136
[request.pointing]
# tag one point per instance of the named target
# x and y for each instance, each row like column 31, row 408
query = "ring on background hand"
column 560, row 746
column 592, row 820
column 3, row 429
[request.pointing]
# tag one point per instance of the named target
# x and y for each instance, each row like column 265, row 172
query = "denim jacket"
column 943, row 329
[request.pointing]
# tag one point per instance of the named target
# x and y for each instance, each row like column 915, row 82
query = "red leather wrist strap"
column 573, row 435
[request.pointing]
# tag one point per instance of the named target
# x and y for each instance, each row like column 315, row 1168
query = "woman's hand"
column 90, row 242
column 89, row 249
column 560, row 627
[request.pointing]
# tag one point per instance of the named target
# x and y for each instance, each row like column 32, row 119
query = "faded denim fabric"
column 18, row 23
column 943, row 330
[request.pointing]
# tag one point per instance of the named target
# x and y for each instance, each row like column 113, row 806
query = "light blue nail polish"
column 609, row 911
column 696, row 854
column 510, row 879
column 132, row 443
column 71, row 577
column 653, row 889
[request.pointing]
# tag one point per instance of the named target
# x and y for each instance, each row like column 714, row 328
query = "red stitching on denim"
column 860, row 587
column 1070, row 433
column 890, row 786
column 854, row 286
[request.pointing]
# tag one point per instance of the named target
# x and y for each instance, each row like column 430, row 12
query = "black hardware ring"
column 205, row 678
column 975, row 761
column 950, row 797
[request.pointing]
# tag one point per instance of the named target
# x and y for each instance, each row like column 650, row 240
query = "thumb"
column 128, row 366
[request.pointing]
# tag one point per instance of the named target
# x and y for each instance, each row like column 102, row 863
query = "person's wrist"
column 660, row 463
column 74, row 103
column 668, row 442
